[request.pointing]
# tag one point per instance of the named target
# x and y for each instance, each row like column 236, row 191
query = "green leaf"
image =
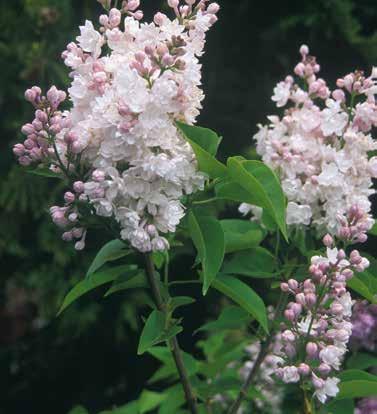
column 362, row 360
column 150, row 400
column 356, row 384
column 112, row 250
column 133, row 280
column 179, row 301
column 204, row 143
column 241, row 234
column 232, row 317
column 168, row 370
column 359, row 284
column 257, row 262
column 208, row 237
column 154, row 331
column 204, row 137
column 263, row 188
column 44, row 172
column 346, row 406
column 97, row 279
column 244, row 295
column 175, row 398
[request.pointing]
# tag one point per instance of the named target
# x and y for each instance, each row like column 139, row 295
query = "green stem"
column 173, row 343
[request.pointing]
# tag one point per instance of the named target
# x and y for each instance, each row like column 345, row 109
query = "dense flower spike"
column 320, row 148
column 367, row 406
column 120, row 139
column 317, row 326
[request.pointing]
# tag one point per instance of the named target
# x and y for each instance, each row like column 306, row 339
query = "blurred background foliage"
column 87, row 355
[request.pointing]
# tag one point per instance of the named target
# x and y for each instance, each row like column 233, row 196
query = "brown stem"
column 173, row 343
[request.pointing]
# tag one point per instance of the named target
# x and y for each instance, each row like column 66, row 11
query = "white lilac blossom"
column 272, row 394
column 317, row 322
column 320, row 146
column 130, row 82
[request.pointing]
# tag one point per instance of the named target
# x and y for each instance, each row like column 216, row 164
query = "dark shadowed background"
column 87, row 355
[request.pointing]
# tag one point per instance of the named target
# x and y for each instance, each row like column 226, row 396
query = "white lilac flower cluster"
column 271, row 395
column 317, row 326
column 320, row 146
column 130, row 82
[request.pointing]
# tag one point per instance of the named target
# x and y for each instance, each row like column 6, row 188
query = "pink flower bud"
column 324, row 369
column 115, row 17
column 339, row 95
column 341, row 254
column 173, row 3
column 98, row 176
column 300, row 298
column 159, row 19
column 38, row 126
column 41, row 116
column 328, row 240
column 30, row 95
column 69, row 197
column 77, row 232
column 28, row 129
column 355, row 257
column 304, row 369
column 289, row 314
column 138, row 15
column 318, row 382
column 104, row 20
column 151, row 230
column 288, row 336
column 213, row 8
column 310, row 299
column 167, row 60
column 336, row 308
column 100, row 77
column 78, row 186
column 80, row 245
column 311, row 350
column 304, row 50
column 29, row 144
column 293, row 284
column 18, row 150
column 297, row 309
column 299, row 69
column 284, row 287
column 133, row 4
column 24, row 161
column 290, row 350
column 73, row 217
column 67, row 236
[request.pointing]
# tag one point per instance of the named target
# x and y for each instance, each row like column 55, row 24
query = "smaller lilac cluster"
column 48, row 121
column 317, row 324
column 364, row 326
column 355, row 225
column 68, row 216
column 367, row 406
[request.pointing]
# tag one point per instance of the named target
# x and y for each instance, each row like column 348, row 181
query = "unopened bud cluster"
column 317, row 327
